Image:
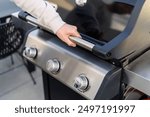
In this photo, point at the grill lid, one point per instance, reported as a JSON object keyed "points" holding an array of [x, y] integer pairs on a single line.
{"points": [[131, 42]]}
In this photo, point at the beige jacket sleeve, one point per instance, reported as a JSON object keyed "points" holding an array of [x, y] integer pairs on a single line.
{"points": [[43, 11]]}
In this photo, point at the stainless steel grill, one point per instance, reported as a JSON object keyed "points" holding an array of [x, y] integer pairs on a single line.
{"points": [[95, 70]]}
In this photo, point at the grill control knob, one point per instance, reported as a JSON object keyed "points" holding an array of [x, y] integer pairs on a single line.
{"points": [[30, 52], [53, 66], [81, 83]]}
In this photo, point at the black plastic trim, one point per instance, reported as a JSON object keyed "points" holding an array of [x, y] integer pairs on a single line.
{"points": [[105, 50], [110, 86]]}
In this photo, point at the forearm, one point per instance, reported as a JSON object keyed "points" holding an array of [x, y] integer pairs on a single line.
{"points": [[44, 12]]}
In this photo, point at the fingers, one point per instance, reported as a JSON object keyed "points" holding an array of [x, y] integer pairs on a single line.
{"points": [[69, 42], [74, 33], [68, 30], [65, 38]]}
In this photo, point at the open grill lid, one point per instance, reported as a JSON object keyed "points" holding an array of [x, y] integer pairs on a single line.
{"points": [[128, 44]]}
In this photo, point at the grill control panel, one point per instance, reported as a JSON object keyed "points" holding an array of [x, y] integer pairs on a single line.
{"points": [[74, 67], [81, 83], [30, 52], [53, 66]]}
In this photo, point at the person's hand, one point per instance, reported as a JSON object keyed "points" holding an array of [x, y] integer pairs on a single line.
{"points": [[65, 31]]}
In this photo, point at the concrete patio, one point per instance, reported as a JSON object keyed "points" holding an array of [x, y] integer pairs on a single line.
{"points": [[15, 81]]}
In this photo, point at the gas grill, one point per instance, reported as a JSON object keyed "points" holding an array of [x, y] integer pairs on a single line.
{"points": [[94, 69]]}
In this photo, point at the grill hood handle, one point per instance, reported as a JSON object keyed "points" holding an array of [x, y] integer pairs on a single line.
{"points": [[82, 43], [79, 41]]}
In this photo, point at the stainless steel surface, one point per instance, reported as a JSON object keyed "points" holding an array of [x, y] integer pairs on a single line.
{"points": [[30, 52], [82, 43], [81, 83], [74, 62], [53, 66], [137, 74]]}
